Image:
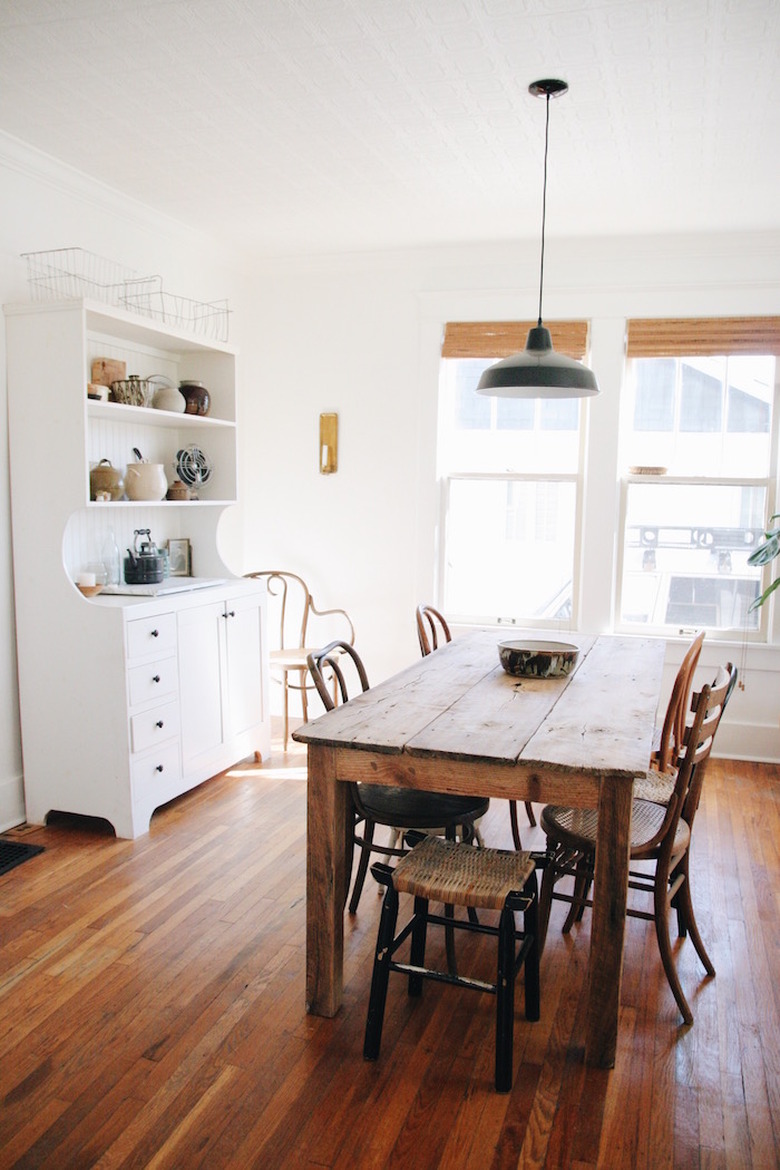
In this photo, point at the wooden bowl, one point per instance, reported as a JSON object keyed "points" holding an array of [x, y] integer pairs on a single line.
{"points": [[530, 659], [89, 590]]}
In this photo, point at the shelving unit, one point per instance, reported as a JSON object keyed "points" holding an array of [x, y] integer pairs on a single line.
{"points": [[95, 737]]}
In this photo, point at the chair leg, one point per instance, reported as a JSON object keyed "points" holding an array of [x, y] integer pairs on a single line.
{"points": [[661, 916], [362, 870], [545, 902], [514, 824], [531, 963], [381, 975], [505, 1001], [417, 951], [529, 812], [286, 708], [581, 886], [684, 904]]}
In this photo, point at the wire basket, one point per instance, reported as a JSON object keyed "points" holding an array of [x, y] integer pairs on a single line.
{"points": [[211, 319], [73, 272]]}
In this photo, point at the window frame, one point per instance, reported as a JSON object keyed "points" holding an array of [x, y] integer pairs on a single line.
{"points": [[696, 338], [577, 330]]}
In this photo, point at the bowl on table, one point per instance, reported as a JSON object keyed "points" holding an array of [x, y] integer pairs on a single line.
{"points": [[538, 659]]}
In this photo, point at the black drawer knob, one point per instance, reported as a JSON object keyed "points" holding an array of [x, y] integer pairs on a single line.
{"points": [[155, 633], [155, 678], [159, 768]]}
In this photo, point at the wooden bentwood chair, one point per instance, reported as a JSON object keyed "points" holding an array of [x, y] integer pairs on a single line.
{"points": [[432, 632], [659, 833], [293, 609], [658, 782], [459, 874], [380, 804]]}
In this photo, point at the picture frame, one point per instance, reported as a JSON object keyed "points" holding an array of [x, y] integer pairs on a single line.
{"points": [[180, 557]]}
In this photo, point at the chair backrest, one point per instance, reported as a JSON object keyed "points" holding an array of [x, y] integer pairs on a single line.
{"points": [[673, 730], [707, 706], [432, 629], [720, 692], [332, 657], [293, 618]]}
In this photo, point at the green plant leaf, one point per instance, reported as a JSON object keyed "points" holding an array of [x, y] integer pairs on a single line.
{"points": [[760, 600]]}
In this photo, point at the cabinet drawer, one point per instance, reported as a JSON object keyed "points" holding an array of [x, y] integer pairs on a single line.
{"points": [[157, 725], [152, 635], [157, 775], [153, 680]]}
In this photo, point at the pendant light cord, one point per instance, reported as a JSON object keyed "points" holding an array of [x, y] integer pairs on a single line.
{"points": [[544, 205]]}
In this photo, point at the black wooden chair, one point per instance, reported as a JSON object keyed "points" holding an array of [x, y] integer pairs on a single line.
{"points": [[433, 631], [459, 874], [380, 804]]}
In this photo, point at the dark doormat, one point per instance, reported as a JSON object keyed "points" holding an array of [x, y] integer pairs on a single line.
{"points": [[13, 853]]}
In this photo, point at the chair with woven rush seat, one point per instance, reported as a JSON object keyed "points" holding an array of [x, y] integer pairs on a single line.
{"points": [[660, 834], [433, 631], [294, 611], [459, 874], [380, 804], [657, 784]]}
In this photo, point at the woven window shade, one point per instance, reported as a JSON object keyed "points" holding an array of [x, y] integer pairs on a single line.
{"points": [[500, 339], [695, 336]]}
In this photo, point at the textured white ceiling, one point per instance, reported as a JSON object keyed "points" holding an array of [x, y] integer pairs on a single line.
{"points": [[300, 125]]}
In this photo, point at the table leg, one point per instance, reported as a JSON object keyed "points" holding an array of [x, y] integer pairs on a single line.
{"points": [[328, 813], [610, 891]]}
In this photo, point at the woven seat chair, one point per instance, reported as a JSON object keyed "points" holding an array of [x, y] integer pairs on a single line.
{"points": [[461, 875], [657, 783], [659, 833], [381, 804], [432, 632]]}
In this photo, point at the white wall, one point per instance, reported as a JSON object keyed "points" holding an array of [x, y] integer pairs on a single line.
{"points": [[360, 335]]}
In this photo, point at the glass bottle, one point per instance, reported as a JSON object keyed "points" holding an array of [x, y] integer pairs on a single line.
{"points": [[110, 557]]}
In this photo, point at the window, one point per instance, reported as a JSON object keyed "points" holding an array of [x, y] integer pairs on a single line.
{"points": [[698, 456], [510, 471]]}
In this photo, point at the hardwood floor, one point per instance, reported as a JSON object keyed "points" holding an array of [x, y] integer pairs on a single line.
{"points": [[152, 1013]]}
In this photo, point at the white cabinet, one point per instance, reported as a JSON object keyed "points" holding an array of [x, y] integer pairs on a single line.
{"points": [[220, 686], [124, 702]]}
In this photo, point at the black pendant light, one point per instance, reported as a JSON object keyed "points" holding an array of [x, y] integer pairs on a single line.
{"points": [[540, 372]]}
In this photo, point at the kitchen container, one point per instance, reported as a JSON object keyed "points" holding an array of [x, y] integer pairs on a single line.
{"points": [[196, 397], [144, 563], [531, 659], [104, 477], [145, 481], [132, 391]]}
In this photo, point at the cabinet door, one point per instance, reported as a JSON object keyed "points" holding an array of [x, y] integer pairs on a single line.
{"points": [[201, 680], [243, 630]]}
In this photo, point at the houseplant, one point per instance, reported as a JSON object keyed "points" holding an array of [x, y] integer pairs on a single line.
{"points": [[765, 553]]}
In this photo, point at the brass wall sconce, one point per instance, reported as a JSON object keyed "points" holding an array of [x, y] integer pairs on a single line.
{"points": [[329, 443]]}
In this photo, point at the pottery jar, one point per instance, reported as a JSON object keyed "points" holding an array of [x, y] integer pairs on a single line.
{"points": [[145, 481]]}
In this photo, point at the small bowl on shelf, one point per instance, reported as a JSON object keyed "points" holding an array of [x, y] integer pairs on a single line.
{"points": [[89, 590], [538, 659]]}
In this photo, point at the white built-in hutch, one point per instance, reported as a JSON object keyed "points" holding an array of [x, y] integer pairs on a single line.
{"points": [[126, 702]]}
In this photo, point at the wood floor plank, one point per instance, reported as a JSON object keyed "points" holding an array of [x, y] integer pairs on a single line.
{"points": [[151, 1009]]}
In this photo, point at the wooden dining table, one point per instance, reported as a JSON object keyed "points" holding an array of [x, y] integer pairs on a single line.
{"points": [[456, 722]]}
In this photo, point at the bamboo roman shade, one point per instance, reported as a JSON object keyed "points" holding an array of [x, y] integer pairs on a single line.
{"points": [[500, 339], [697, 336]]}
